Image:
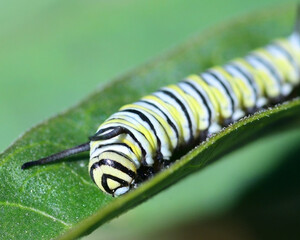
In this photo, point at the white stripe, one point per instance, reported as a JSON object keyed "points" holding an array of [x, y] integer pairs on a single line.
{"points": [[190, 91]]}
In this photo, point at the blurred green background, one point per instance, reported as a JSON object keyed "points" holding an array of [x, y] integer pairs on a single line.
{"points": [[54, 53]]}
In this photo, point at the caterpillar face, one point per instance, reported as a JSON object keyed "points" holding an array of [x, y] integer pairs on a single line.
{"points": [[113, 172]]}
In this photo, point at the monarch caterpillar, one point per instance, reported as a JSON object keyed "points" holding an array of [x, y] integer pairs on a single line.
{"points": [[142, 138]]}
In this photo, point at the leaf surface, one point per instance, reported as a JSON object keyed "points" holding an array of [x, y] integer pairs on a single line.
{"points": [[48, 201]]}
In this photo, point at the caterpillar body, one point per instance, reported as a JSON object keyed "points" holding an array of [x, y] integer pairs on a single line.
{"points": [[143, 137]]}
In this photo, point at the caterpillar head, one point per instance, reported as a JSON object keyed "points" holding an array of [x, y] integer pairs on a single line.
{"points": [[113, 172]]}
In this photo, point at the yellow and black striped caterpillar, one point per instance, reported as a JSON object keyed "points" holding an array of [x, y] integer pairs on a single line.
{"points": [[142, 138]]}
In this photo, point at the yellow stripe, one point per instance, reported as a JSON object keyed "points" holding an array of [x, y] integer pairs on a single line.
{"points": [[248, 100], [292, 77], [187, 100], [173, 112], [224, 103], [286, 69], [115, 172], [232, 83], [271, 88], [97, 173], [256, 77], [288, 47], [203, 124], [265, 54], [118, 158], [136, 150]]}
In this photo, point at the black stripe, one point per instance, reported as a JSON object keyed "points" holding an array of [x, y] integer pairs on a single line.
{"points": [[269, 66], [201, 96], [93, 167], [248, 78], [102, 130], [132, 136], [146, 119], [104, 179], [112, 144], [117, 144], [104, 184], [225, 88], [168, 119], [116, 165], [182, 107]]}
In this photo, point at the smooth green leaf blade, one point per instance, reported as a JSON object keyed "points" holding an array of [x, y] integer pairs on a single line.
{"points": [[44, 202]]}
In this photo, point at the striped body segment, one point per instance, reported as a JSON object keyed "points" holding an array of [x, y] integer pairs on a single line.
{"points": [[148, 132]]}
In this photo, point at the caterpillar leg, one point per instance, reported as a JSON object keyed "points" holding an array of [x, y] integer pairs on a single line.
{"points": [[214, 128], [163, 164], [144, 173], [227, 121]]}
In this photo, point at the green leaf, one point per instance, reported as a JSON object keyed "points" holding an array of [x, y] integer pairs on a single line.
{"points": [[45, 202]]}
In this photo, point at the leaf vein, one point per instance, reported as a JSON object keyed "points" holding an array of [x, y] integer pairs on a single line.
{"points": [[18, 205]]}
